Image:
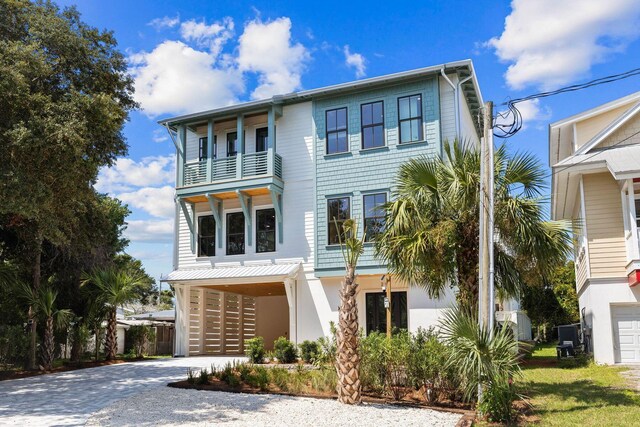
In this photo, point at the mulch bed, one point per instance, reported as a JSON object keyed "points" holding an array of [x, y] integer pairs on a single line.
{"points": [[218, 385], [12, 375]]}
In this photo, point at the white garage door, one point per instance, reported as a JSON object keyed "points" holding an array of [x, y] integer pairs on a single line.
{"points": [[626, 329]]}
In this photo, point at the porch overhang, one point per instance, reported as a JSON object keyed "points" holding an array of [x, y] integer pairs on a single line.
{"points": [[267, 273]]}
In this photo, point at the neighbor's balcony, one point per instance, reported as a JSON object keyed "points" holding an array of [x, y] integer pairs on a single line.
{"points": [[234, 168]]}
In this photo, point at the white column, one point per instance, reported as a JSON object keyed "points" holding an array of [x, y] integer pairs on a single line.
{"points": [[181, 346], [290, 287], [631, 212]]}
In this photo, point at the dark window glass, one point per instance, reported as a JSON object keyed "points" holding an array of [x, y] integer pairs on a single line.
{"points": [[232, 144], [266, 230], [372, 122], [410, 118], [262, 139], [203, 148], [235, 233], [337, 131], [338, 210], [376, 313], [374, 215], [637, 212], [206, 236]]}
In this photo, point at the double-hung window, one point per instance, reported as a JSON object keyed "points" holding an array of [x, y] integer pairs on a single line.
{"points": [[232, 144], [374, 215], [262, 139], [336, 121], [410, 118], [206, 236], [203, 148], [265, 230], [372, 124], [235, 233], [338, 212]]}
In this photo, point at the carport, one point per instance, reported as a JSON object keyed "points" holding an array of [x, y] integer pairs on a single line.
{"points": [[217, 309]]}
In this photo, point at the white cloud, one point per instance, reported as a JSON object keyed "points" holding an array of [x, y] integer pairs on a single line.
{"points": [[159, 231], [355, 61], [159, 135], [156, 201], [175, 78], [212, 36], [164, 22], [266, 48], [126, 174], [550, 43]]}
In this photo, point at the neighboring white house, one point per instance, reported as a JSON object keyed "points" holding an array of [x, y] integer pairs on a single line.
{"points": [[595, 156], [255, 250]]}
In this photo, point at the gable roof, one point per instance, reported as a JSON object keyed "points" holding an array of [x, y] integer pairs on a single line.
{"points": [[607, 131]]}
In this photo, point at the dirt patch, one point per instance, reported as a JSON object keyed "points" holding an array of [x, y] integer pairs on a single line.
{"points": [[12, 375]]}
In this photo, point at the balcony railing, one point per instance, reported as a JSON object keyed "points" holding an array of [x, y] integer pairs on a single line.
{"points": [[233, 168]]}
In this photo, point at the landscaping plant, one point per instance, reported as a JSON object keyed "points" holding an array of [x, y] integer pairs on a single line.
{"points": [[309, 351], [254, 349], [285, 350], [139, 337]]}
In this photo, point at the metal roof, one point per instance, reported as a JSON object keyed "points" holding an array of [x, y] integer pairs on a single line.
{"points": [[623, 162], [156, 315], [268, 271]]}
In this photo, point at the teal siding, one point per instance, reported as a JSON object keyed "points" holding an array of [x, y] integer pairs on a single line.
{"points": [[359, 172]]}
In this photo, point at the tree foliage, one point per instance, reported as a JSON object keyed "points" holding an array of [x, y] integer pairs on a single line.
{"points": [[431, 235]]}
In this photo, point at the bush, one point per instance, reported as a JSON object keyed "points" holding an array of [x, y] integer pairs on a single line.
{"points": [[258, 378], [229, 376], [373, 369], [309, 351], [191, 379], [255, 349], [285, 350], [497, 403], [279, 377], [397, 352], [204, 377], [138, 338], [14, 345], [428, 366], [324, 379]]}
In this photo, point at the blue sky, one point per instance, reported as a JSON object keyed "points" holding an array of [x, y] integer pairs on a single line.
{"points": [[195, 54]]}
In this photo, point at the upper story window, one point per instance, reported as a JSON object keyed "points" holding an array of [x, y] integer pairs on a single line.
{"points": [[337, 131], [232, 144], [410, 118], [206, 236], [203, 148], [374, 215], [338, 210], [372, 123], [265, 230], [235, 233], [637, 203], [262, 139]]}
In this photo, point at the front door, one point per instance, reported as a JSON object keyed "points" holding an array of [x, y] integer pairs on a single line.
{"points": [[376, 313]]}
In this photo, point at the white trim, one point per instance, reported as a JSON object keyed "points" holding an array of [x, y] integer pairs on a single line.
{"points": [[606, 132], [583, 211], [612, 105], [254, 212]]}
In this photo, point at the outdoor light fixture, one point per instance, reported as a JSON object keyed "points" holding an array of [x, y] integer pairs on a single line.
{"points": [[386, 303], [383, 283]]}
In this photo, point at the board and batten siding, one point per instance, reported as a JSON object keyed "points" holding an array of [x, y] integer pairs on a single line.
{"points": [[605, 229], [294, 142], [358, 172]]}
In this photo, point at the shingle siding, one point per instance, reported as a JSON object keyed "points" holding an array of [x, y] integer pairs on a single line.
{"points": [[364, 171]]}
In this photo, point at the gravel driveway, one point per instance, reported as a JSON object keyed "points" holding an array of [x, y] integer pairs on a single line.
{"points": [[169, 406]]}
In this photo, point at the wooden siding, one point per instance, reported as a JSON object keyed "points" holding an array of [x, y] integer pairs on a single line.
{"points": [[590, 127], [627, 134], [580, 253], [605, 230]]}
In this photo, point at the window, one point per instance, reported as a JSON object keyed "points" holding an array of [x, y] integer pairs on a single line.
{"points": [[337, 131], [262, 139], [203, 148], [372, 122], [338, 210], [374, 215], [206, 236], [410, 118], [637, 202], [376, 313], [235, 233], [232, 144], [266, 230]]}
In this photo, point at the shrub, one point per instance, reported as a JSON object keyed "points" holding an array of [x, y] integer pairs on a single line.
{"points": [[270, 356], [497, 403], [309, 351], [373, 368], [259, 378], [324, 379], [280, 377], [138, 338], [327, 347], [14, 345], [244, 370], [255, 349], [397, 352], [285, 350], [229, 376], [428, 366], [204, 376], [191, 378]]}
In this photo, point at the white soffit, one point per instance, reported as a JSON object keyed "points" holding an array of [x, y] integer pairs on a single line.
{"points": [[270, 271]]}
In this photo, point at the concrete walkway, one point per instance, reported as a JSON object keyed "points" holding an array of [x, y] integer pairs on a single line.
{"points": [[69, 398]]}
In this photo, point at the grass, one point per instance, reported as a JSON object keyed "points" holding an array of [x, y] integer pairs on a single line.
{"points": [[591, 395]]}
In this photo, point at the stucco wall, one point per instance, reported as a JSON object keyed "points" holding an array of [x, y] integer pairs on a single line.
{"points": [[272, 318]]}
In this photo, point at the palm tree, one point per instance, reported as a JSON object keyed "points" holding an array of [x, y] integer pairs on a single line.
{"points": [[431, 235], [347, 355], [43, 303], [112, 288]]}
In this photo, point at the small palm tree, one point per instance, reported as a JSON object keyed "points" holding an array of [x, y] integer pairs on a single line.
{"points": [[112, 288], [43, 303], [348, 357], [432, 225]]}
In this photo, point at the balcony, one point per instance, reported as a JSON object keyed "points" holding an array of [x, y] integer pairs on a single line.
{"points": [[241, 166]]}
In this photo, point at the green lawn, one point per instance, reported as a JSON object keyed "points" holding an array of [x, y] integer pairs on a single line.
{"points": [[586, 396]]}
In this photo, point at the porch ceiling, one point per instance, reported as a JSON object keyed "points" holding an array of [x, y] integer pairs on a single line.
{"points": [[262, 191], [252, 289]]}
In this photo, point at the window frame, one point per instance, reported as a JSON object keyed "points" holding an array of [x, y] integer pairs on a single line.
{"points": [[420, 119], [266, 140], [202, 154], [364, 212], [199, 236], [381, 317], [228, 234], [331, 223], [275, 225], [372, 126], [337, 130], [235, 153]]}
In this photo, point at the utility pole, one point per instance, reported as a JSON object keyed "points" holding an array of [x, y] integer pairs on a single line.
{"points": [[486, 307]]}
